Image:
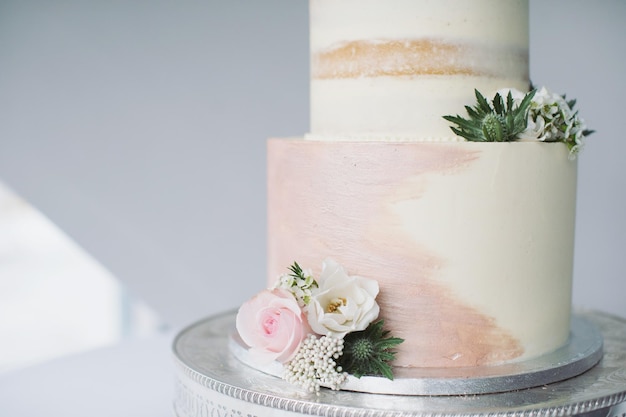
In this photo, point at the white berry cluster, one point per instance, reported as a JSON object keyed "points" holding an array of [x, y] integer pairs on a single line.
{"points": [[314, 364]]}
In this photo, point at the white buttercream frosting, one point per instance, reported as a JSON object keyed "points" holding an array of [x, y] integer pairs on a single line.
{"points": [[475, 20], [398, 66]]}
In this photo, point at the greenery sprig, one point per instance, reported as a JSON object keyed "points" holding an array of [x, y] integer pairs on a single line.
{"points": [[498, 122], [296, 271], [369, 352]]}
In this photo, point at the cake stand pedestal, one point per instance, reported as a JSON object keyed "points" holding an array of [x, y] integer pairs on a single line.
{"points": [[210, 381]]}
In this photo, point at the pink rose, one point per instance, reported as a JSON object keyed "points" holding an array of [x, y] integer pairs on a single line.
{"points": [[272, 324]]}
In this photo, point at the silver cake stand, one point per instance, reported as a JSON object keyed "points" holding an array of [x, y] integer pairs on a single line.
{"points": [[212, 381]]}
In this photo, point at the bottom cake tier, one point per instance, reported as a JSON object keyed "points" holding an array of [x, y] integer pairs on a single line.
{"points": [[211, 380]]}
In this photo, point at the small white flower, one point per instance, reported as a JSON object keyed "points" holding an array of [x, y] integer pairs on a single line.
{"points": [[535, 130], [301, 285], [285, 281], [550, 119], [342, 303]]}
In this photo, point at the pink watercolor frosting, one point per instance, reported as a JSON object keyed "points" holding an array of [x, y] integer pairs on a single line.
{"points": [[454, 233]]}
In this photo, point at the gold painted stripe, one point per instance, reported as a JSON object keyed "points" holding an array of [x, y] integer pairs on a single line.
{"points": [[393, 58]]}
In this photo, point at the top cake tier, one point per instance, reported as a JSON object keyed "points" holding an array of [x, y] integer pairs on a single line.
{"points": [[389, 69]]}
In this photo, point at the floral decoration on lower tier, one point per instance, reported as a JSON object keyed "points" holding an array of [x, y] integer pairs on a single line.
{"points": [[321, 330], [537, 115]]}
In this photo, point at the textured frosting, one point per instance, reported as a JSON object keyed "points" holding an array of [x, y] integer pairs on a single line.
{"points": [[472, 243], [397, 66]]}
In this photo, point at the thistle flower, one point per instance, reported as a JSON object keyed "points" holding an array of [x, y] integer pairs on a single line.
{"points": [[369, 352], [495, 122]]}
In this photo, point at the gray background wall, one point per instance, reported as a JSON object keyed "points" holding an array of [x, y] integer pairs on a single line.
{"points": [[139, 128]]}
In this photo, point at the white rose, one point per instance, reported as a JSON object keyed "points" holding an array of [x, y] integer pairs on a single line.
{"points": [[342, 303]]}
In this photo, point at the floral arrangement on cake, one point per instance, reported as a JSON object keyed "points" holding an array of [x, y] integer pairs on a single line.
{"points": [[537, 115], [321, 330]]}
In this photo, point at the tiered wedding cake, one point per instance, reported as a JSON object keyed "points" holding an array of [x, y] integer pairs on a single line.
{"points": [[471, 243], [402, 241]]}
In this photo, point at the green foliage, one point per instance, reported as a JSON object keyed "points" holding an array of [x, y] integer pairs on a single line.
{"points": [[498, 122], [296, 271]]}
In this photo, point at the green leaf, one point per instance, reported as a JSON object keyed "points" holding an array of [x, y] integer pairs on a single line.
{"points": [[483, 105]]}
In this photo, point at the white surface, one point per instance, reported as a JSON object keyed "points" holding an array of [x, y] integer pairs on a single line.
{"points": [[55, 299], [133, 379], [139, 128]]}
